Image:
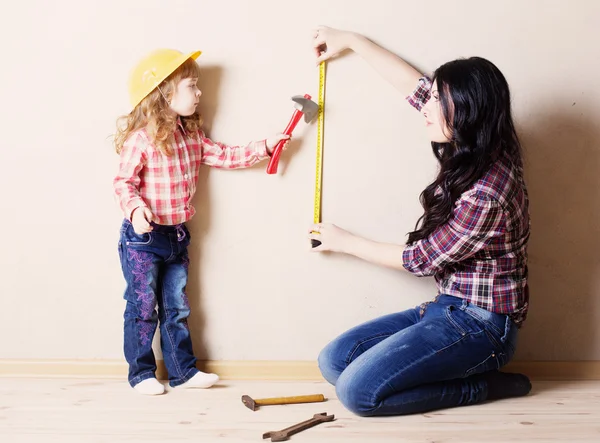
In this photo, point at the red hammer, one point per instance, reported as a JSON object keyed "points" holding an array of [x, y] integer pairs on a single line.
{"points": [[304, 105]]}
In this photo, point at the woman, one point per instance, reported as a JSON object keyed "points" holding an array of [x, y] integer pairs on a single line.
{"points": [[472, 238]]}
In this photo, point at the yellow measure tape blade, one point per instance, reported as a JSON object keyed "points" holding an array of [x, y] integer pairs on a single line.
{"points": [[319, 162]]}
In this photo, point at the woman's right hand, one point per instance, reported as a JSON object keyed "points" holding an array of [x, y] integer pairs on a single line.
{"points": [[141, 220], [329, 42]]}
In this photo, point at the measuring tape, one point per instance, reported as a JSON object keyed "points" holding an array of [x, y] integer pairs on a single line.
{"points": [[319, 162]]}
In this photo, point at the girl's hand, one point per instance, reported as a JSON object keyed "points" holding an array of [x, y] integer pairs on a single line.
{"points": [[331, 237], [329, 42], [272, 142], [141, 220]]}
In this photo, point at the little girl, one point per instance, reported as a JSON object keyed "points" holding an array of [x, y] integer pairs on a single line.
{"points": [[161, 147]]}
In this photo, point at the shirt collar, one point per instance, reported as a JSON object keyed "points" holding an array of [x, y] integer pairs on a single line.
{"points": [[180, 124]]}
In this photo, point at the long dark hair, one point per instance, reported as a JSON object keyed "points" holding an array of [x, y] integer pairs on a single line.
{"points": [[475, 101]]}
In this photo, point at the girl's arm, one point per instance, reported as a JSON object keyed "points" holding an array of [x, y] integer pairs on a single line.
{"points": [[220, 155], [127, 180]]}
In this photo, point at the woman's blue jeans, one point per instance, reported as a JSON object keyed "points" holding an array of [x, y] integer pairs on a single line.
{"points": [[419, 359]]}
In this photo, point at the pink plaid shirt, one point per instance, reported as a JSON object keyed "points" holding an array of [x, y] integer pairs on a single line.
{"points": [[167, 184], [480, 254]]}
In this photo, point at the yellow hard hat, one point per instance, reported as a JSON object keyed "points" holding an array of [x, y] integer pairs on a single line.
{"points": [[152, 70]]}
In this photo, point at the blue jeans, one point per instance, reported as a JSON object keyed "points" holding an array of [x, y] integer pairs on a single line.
{"points": [[155, 267], [419, 359]]}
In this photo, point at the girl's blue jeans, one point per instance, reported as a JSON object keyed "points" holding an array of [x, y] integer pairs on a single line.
{"points": [[155, 267]]}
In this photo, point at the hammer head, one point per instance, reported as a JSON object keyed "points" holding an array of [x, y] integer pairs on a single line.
{"points": [[308, 107], [247, 400]]}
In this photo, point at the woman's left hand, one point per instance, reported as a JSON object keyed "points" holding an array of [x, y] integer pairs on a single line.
{"points": [[332, 238]]}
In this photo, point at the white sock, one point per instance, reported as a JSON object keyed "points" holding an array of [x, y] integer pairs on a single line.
{"points": [[150, 386], [200, 380]]}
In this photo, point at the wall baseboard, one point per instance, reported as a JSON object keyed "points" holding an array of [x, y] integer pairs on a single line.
{"points": [[265, 370], [227, 370]]}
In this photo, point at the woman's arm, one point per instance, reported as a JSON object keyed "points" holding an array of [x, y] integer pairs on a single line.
{"points": [[477, 221], [329, 42], [335, 239]]}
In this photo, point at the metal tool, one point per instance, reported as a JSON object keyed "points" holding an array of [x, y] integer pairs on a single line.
{"points": [[284, 434], [254, 404], [304, 106]]}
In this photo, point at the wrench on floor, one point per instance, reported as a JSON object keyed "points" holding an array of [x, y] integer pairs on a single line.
{"points": [[284, 434]]}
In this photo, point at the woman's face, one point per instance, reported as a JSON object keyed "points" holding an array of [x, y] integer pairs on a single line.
{"points": [[436, 126]]}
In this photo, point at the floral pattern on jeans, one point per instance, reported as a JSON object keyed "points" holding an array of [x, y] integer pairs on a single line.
{"points": [[141, 265]]}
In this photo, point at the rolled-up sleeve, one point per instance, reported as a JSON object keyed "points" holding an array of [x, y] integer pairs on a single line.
{"points": [[421, 93], [477, 219]]}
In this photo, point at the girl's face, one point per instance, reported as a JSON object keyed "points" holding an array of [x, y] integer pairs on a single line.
{"points": [[436, 126], [186, 96]]}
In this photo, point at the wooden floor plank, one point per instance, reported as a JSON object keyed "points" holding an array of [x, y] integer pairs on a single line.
{"points": [[83, 410]]}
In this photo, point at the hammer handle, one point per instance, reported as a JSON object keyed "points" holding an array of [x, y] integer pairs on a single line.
{"points": [[274, 161], [290, 400]]}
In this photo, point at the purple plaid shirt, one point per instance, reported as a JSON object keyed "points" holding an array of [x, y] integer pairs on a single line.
{"points": [[480, 254]]}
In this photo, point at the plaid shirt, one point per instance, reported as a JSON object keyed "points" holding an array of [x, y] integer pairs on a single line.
{"points": [[166, 184], [480, 254]]}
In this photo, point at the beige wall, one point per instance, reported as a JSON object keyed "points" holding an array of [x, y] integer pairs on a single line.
{"points": [[256, 291]]}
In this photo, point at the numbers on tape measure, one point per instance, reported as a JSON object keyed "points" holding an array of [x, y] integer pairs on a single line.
{"points": [[319, 159]]}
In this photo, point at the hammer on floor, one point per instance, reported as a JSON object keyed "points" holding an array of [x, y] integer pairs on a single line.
{"points": [[253, 404]]}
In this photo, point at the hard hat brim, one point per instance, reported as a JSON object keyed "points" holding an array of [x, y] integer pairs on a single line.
{"points": [[175, 63]]}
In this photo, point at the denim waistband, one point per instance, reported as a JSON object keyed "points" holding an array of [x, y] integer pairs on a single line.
{"points": [[166, 229], [170, 229], [499, 322]]}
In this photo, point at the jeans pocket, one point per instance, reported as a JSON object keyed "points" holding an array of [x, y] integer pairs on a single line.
{"points": [[462, 322], [490, 363], [141, 240], [499, 355], [493, 361], [132, 238], [120, 250], [494, 354], [504, 341]]}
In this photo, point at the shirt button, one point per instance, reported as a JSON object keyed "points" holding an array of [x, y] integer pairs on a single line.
{"points": [[185, 176]]}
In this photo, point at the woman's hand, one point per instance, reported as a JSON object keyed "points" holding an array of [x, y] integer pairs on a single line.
{"points": [[337, 239], [329, 42], [332, 238]]}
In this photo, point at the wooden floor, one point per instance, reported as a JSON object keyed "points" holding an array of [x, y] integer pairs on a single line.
{"points": [[82, 411]]}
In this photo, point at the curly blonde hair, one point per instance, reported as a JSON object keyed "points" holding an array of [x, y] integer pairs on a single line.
{"points": [[154, 113]]}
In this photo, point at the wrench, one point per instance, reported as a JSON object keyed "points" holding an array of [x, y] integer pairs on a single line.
{"points": [[284, 434]]}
